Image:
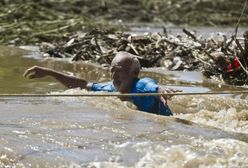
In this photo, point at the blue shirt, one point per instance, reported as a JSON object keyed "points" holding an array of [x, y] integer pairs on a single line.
{"points": [[150, 104]]}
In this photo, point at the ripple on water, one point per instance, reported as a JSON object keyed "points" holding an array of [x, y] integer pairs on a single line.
{"points": [[226, 113], [105, 132]]}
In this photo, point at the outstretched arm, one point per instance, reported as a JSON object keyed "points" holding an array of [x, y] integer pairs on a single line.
{"points": [[66, 80]]}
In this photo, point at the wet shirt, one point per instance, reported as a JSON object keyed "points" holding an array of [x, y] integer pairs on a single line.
{"points": [[150, 104]]}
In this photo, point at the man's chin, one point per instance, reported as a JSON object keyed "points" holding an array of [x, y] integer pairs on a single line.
{"points": [[117, 83], [117, 86]]}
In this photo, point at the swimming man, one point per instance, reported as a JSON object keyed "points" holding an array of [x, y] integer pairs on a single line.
{"points": [[125, 69]]}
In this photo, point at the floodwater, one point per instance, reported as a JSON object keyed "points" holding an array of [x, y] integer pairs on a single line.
{"points": [[205, 132]]}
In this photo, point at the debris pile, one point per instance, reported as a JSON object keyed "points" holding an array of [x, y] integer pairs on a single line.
{"points": [[215, 56], [74, 29]]}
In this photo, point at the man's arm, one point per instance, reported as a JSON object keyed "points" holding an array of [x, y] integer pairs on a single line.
{"points": [[66, 80], [165, 98]]}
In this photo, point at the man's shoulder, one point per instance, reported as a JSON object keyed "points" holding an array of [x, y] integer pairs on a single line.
{"points": [[145, 85], [146, 80], [106, 86]]}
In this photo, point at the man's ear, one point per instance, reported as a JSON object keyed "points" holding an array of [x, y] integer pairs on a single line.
{"points": [[136, 73]]}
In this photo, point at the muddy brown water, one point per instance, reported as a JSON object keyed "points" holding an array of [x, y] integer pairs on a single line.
{"points": [[206, 131]]}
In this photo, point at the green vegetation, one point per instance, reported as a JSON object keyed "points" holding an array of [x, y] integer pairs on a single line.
{"points": [[31, 21]]}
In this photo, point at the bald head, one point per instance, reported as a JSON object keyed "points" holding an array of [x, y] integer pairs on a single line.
{"points": [[127, 60], [124, 70]]}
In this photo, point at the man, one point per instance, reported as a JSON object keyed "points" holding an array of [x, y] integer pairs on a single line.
{"points": [[125, 69]]}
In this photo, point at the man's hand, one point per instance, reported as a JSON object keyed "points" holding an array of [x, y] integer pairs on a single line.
{"points": [[165, 98], [36, 72], [66, 80]]}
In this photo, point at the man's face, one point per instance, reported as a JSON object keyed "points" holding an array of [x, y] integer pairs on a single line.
{"points": [[122, 76]]}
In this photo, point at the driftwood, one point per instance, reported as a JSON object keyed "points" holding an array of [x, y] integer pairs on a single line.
{"points": [[174, 53], [71, 29]]}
